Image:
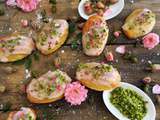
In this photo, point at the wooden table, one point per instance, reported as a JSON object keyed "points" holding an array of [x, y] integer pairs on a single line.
{"points": [[12, 74]]}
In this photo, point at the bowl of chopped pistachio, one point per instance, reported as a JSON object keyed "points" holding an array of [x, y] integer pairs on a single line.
{"points": [[128, 102]]}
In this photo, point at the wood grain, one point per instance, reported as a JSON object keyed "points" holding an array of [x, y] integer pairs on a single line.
{"points": [[93, 108]]}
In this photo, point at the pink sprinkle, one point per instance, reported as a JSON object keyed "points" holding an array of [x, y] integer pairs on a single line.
{"points": [[75, 93], [150, 40], [24, 23], [109, 56], [117, 33], [156, 89], [121, 49]]}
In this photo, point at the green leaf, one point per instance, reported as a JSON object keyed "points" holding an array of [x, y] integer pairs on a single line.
{"points": [[53, 1], [34, 73], [72, 27], [6, 106], [79, 36], [74, 45], [28, 63], [2, 11], [36, 56], [20, 62]]}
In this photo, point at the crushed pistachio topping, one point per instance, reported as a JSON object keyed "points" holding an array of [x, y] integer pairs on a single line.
{"points": [[94, 36], [96, 71], [10, 44]]}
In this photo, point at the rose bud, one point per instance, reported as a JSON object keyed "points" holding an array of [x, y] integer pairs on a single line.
{"points": [[24, 23], [117, 33], [146, 80], [155, 67], [57, 62], [109, 56]]}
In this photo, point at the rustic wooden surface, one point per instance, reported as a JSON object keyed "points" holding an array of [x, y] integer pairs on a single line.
{"points": [[93, 108]]}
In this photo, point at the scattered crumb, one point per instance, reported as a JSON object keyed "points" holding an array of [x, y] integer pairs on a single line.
{"points": [[77, 60], [73, 112], [150, 62], [50, 105], [62, 51], [10, 29], [142, 60]]}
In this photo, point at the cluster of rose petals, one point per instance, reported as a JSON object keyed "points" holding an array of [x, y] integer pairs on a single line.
{"points": [[150, 40], [25, 5], [75, 93], [156, 89]]}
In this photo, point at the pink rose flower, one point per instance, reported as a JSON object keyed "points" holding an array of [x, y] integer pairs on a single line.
{"points": [[11, 2], [156, 89], [75, 93], [109, 56], [150, 40], [121, 49], [27, 5]]}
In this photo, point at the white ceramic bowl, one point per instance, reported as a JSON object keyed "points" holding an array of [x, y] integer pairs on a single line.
{"points": [[151, 112], [115, 10]]}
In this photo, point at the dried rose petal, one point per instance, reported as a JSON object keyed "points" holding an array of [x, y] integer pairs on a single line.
{"points": [[121, 49], [11, 2], [107, 12], [156, 89]]}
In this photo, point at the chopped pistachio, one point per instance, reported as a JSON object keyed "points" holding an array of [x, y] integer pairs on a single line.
{"points": [[2, 11]]}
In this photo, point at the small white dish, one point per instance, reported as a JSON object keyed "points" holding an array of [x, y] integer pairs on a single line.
{"points": [[151, 112], [115, 10]]}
